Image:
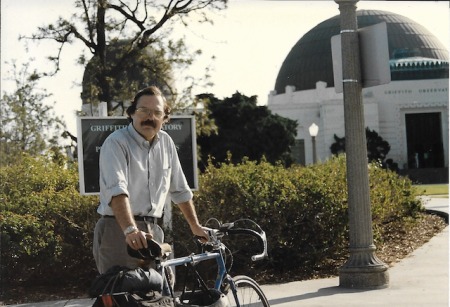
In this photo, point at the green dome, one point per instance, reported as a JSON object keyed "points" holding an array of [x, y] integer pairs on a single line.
{"points": [[310, 59]]}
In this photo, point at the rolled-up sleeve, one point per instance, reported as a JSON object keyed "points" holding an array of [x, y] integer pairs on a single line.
{"points": [[113, 171], [180, 191]]}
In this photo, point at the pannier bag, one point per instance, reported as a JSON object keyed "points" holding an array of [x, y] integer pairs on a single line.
{"points": [[124, 287], [202, 298], [122, 279]]}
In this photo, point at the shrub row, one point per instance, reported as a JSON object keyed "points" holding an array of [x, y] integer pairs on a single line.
{"points": [[47, 226], [302, 209]]}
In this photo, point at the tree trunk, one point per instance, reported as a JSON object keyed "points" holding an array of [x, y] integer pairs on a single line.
{"points": [[104, 94]]}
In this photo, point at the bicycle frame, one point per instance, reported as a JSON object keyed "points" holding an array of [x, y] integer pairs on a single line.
{"points": [[223, 282], [217, 255]]}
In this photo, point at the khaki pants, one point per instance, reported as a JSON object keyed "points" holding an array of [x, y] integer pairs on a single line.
{"points": [[109, 245]]}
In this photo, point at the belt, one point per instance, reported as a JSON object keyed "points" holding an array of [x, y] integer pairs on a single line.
{"points": [[150, 219]]}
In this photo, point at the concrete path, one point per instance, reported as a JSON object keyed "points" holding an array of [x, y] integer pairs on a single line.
{"points": [[421, 279]]}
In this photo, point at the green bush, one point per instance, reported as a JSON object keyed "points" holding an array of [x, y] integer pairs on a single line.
{"points": [[302, 209], [46, 225]]}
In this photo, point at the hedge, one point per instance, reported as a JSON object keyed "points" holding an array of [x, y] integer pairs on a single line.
{"points": [[302, 209], [47, 226]]}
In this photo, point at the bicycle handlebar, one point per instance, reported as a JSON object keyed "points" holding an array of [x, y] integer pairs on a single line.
{"points": [[261, 237], [229, 228]]}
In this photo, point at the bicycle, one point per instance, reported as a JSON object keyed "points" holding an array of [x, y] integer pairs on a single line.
{"points": [[240, 290]]}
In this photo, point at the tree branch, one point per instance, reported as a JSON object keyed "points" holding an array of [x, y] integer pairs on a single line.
{"points": [[88, 21], [131, 17]]}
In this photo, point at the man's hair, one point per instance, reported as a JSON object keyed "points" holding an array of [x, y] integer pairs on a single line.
{"points": [[148, 91]]}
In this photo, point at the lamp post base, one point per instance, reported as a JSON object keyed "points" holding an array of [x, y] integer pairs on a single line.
{"points": [[364, 270]]}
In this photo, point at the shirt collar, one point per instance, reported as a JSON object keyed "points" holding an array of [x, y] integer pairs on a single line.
{"points": [[139, 139]]}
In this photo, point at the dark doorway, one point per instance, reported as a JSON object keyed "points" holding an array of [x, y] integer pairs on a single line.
{"points": [[424, 139]]}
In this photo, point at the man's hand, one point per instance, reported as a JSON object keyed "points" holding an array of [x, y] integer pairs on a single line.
{"points": [[122, 211], [201, 232], [190, 215], [138, 239]]}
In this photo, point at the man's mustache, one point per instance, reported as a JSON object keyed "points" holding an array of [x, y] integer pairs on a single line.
{"points": [[148, 122]]}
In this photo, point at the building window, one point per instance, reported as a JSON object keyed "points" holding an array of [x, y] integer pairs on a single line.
{"points": [[298, 152]]}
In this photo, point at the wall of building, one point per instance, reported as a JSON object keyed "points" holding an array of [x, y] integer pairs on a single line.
{"points": [[399, 98], [385, 107]]}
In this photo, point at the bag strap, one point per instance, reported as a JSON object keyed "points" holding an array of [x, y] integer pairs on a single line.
{"points": [[114, 280], [200, 283], [169, 286], [200, 280]]}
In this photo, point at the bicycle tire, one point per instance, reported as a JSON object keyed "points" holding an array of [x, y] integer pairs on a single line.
{"points": [[249, 293]]}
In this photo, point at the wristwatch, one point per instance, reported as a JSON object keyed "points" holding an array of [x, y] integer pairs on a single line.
{"points": [[130, 229]]}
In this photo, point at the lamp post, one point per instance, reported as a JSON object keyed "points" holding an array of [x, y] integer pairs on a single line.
{"points": [[363, 269], [313, 130]]}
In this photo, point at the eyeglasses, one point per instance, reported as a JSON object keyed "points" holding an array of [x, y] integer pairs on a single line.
{"points": [[148, 112]]}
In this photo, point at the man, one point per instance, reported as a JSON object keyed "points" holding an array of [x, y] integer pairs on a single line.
{"points": [[139, 168]]}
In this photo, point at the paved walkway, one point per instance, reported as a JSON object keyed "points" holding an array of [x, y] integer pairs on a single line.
{"points": [[421, 279]]}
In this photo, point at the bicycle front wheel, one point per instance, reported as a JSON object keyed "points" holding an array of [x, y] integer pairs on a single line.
{"points": [[248, 292]]}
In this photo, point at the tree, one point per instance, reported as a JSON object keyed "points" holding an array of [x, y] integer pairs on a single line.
{"points": [[245, 129], [133, 29], [27, 124], [338, 146], [377, 147]]}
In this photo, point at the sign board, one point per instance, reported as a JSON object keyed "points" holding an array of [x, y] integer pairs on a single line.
{"points": [[92, 132], [374, 53]]}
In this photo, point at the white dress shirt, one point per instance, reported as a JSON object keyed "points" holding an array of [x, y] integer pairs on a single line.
{"points": [[146, 172]]}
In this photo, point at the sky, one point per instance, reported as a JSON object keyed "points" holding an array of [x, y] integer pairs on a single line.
{"points": [[249, 40]]}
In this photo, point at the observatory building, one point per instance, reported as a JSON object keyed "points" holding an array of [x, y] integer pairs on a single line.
{"points": [[410, 113]]}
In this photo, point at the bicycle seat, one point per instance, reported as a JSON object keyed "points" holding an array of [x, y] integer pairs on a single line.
{"points": [[154, 250]]}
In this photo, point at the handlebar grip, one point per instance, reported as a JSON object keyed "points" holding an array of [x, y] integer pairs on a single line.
{"points": [[259, 257]]}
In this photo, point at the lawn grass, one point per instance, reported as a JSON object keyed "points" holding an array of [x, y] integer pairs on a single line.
{"points": [[432, 189]]}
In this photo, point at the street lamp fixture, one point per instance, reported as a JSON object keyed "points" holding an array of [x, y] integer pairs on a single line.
{"points": [[313, 131]]}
